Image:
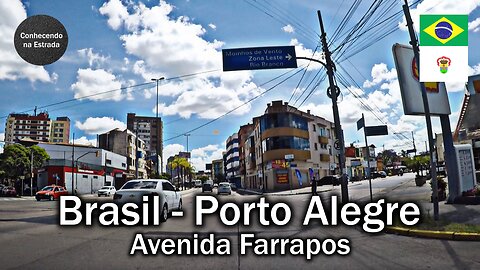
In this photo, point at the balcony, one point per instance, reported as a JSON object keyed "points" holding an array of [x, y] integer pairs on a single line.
{"points": [[323, 140], [324, 158]]}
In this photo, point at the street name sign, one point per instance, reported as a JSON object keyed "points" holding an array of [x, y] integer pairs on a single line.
{"points": [[259, 58], [376, 130]]}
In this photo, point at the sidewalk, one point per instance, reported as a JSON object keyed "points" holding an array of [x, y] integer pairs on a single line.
{"points": [[300, 191], [457, 213]]}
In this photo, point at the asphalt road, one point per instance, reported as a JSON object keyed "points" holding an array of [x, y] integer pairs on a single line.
{"points": [[30, 238]]}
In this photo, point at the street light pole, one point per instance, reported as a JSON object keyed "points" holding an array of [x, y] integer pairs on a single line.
{"points": [[156, 129], [188, 156]]}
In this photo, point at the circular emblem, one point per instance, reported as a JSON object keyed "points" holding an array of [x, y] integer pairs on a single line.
{"points": [[443, 30], [414, 69], [41, 40], [336, 145]]}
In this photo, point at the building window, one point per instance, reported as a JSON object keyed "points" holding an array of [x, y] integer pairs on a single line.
{"points": [[314, 129], [274, 143], [85, 176], [109, 161], [124, 165], [95, 177], [316, 145]]}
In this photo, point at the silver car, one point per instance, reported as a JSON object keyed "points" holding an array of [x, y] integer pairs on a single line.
{"points": [[134, 190], [224, 187], [106, 191]]}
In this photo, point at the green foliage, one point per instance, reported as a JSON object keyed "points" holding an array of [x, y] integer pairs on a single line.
{"points": [[203, 178], [15, 160]]}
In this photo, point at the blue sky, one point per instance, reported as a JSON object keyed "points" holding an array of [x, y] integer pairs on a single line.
{"points": [[115, 43]]}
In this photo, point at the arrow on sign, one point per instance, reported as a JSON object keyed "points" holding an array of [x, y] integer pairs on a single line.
{"points": [[289, 57]]}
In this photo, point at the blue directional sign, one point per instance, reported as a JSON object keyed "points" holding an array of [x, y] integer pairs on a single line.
{"points": [[259, 58]]}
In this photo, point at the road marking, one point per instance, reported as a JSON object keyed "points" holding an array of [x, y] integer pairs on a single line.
{"points": [[177, 213]]}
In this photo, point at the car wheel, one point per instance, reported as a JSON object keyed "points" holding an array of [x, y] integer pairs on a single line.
{"points": [[164, 213], [51, 198], [99, 195], [37, 198], [230, 193], [179, 205]]}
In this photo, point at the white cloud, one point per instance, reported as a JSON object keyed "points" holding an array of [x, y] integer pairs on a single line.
{"points": [[171, 150], [213, 26], [99, 125], [379, 74], [474, 25], [169, 47], [85, 141], [115, 11], [199, 156], [288, 29], [94, 59], [12, 66], [439, 7], [300, 50], [206, 154], [93, 81], [2, 138]]}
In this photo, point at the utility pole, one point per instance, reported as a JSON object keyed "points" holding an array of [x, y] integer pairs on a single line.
{"points": [[73, 161], [333, 92], [433, 161], [31, 171], [188, 157], [159, 141], [368, 160], [414, 147], [136, 152]]}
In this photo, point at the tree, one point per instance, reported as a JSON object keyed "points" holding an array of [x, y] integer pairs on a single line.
{"points": [[15, 160]]}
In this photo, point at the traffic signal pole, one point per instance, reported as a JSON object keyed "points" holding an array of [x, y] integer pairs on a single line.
{"points": [[333, 92]]}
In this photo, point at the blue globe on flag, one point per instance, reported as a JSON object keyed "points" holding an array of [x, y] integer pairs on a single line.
{"points": [[443, 30]]}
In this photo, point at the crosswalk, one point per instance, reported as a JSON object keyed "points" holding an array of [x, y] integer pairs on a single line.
{"points": [[16, 198]]}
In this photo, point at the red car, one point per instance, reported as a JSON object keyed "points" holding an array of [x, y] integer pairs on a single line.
{"points": [[51, 193], [9, 191]]}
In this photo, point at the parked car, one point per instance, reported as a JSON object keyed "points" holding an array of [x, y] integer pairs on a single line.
{"points": [[381, 174], [198, 183], [106, 191], [215, 185], [51, 193], [207, 187], [329, 180], [9, 191], [134, 190], [224, 187], [233, 186]]}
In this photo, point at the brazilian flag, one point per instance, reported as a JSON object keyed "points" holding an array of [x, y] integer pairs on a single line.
{"points": [[443, 30]]}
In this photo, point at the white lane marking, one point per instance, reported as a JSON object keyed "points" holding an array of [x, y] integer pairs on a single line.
{"points": [[177, 213]]}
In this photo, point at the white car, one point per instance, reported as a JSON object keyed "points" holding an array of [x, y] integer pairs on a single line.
{"points": [[224, 187], [134, 190], [106, 191]]}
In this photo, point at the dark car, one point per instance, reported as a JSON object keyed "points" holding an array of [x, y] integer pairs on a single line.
{"points": [[381, 174], [9, 191], [207, 187], [233, 186], [329, 180]]}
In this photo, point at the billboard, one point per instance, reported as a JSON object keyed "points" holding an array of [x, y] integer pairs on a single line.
{"points": [[410, 89]]}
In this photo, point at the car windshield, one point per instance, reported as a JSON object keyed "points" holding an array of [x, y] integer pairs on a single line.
{"points": [[140, 185], [47, 188], [106, 187], [224, 185]]}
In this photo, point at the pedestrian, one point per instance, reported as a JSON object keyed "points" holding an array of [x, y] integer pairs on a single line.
{"points": [[314, 185]]}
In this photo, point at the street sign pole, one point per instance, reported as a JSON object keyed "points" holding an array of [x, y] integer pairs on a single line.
{"points": [[368, 160], [333, 92], [433, 162]]}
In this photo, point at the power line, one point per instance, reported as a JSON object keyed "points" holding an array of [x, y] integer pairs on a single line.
{"points": [[236, 108], [114, 90]]}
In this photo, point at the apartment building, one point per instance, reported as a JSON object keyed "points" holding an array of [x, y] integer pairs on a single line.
{"points": [[36, 127]]}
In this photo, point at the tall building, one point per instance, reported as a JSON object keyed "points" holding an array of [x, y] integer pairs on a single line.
{"points": [[285, 132], [218, 174], [232, 163], [243, 134], [60, 130], [150, 130], [125, 143], [36, 127]]}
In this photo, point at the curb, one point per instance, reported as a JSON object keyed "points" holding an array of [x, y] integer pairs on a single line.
{"points": [[443, 235]]}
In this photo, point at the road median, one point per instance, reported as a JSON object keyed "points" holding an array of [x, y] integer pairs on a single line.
{"points": [[445, 235]]}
